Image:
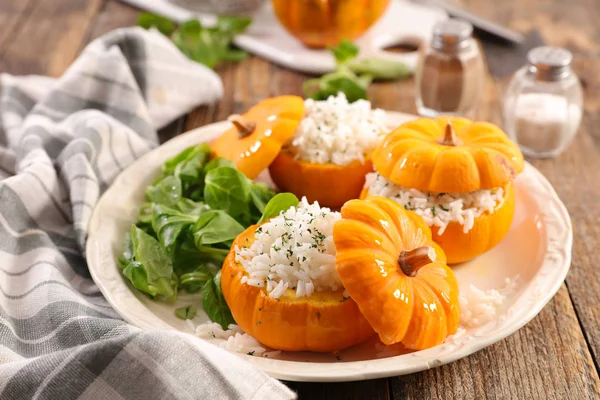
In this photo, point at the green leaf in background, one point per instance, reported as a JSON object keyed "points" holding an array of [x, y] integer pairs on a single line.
{"points": [[331, 84], [281, 202], [214, 303], [210, 45], [152, 270], [169, 224], [187, 312], [218, 162], [379, 68], [164, 25], [166, 191], [193, 281], [352, 76], [233, 25], [216, 226], [227, 189], [344, 52], [234, 55]]}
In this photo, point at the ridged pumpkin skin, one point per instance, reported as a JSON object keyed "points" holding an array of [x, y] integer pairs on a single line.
{"points": [[329, 184], [412, 156], [323, 322], [275, 119], [419, 311], [488, 230], [320, 23]]}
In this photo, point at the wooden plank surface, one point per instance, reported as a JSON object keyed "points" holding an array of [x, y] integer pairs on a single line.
{"points": [[573, 174], [556, 355], [48, 37]]}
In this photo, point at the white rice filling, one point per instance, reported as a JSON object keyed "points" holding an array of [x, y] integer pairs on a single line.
{"points": [[338, 132], [294, 250], [438, 209]]}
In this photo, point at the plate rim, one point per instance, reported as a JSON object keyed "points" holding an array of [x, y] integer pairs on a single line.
{"points": [[374, 368]]}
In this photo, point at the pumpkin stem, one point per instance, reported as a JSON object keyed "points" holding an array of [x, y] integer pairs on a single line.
{"points": [[411, 261], [449, 138], [243, 126]]}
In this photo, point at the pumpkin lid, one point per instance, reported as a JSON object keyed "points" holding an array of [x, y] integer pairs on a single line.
{"points": [[257, 136], [448, 154], [396, 274]]}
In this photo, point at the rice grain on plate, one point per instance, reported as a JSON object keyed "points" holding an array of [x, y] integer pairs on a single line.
{"points": [[294, 250], [338, 132], [438, 209], [233, 339]]}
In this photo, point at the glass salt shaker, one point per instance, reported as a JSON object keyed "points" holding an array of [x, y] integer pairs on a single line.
{"points": [[450, 75], [543, 104]]}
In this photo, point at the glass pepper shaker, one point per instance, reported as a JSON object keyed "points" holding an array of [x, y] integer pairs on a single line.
{"points": [[543, 104], [450, 75]]}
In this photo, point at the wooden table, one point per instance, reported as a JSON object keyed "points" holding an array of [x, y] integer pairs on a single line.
{"points": [[556, 355]]}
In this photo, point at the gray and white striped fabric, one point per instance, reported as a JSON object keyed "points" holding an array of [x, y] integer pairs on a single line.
{"points": [[62, 142]]}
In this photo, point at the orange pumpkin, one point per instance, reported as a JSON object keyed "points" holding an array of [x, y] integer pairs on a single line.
{"points": [[329, 184], [397, 275], [320, 23], [448, 154], [257, 136], [323, 322], [454, 155]]}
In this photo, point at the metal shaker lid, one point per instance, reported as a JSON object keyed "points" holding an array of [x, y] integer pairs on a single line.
{"points": [[550, 63], [451, 34]]}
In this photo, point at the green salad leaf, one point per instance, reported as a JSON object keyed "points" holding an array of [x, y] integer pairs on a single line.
{"points": [[169, 224], [261, 193], [150, 270], [228, 189], [216, 226], [187, 312], [194, 210], [217, 163], [214, 303], [166, 191], [279, 203], [188, 206], [193, 281]]}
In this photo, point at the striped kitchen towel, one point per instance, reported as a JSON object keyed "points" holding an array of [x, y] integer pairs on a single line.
{"points": [[62, 142]]}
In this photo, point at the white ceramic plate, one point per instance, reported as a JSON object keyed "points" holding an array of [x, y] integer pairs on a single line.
{"points": [[537, 249]]}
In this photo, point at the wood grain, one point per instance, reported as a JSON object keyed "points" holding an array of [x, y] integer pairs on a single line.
{"points": [[547, 359], [556, 355], [50, 37], [574, 173]]}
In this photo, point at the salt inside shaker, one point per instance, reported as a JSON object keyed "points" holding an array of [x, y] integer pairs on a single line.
{"points": [[450, 75], [543, 103]]}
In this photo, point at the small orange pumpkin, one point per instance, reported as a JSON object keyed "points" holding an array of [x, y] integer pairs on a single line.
{"points": [[323, 322], [448, 154], [258, 135], [455, 155], [397, 275], [329, 184], [320, 23]]}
